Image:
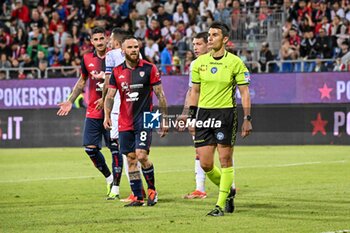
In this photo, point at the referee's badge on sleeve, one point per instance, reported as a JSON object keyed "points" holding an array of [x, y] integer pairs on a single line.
{"points": [[247, 76]]}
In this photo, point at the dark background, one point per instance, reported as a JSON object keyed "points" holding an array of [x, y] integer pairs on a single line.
{"points": [[272, 125]]}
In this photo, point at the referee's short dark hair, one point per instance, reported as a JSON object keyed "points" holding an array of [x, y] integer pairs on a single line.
{"points": [[96, 30], [223, 27], [202, 35]]}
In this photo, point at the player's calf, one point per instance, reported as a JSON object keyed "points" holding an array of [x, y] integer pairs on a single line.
{"points": [[99, 161]]}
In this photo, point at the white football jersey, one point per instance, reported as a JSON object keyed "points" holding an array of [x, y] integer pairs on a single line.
{"points": [[114, 58], [190, 75]]}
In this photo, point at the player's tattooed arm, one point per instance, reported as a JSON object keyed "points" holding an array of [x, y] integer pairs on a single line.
{"points": [[109, 101], [108, 106], [158, 90], [105, 87], [77, 90], [66, 106], [186, 105], [185, 111]]}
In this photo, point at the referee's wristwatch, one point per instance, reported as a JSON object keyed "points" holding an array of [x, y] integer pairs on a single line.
{"points": [[247, 117]]}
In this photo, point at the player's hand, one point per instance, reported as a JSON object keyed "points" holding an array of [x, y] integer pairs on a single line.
{"points": [[246, 128], [164, 129], [65, 108], [181, 123], [107, 123], [99, 104]]}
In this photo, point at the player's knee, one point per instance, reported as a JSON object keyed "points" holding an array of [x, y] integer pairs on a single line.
{"points": [[132, 160], [226, 161], [91, 151], [141, 154], [207, 166], [142, 158]]}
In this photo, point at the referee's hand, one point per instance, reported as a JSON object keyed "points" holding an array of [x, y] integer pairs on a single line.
{"points": [[181, 123], [246, 128]]}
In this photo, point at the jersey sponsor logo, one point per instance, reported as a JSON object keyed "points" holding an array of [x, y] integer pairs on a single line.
{"points": [[132, 96], [199, 141], [99, 86], [215, 63], [97, 75], [220, 136], [91, 65], [136, 86], [214, 70], [142, 73], [121, 76], [203, 68]]}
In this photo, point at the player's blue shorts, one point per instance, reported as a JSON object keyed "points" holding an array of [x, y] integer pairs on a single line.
{"points": [[93, 132], [131, 140]]}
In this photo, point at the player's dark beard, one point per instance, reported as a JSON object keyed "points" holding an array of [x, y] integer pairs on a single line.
{"points": [[129, 58]]}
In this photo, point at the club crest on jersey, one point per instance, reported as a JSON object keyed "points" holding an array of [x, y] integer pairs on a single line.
{"points": [[142, 73], [214, 70]]}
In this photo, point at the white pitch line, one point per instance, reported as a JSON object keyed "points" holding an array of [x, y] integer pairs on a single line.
{"points": [[172, 171]]}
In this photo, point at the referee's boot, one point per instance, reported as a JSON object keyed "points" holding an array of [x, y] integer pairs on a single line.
{"points": [[216, 212], [230, 204]]}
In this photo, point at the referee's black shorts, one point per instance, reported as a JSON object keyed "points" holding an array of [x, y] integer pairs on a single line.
{"points": [[213, 134]]}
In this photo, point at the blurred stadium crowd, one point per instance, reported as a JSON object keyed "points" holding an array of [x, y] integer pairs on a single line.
{"points": [[47, 38]]}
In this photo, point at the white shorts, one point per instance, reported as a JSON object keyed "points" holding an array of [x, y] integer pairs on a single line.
{"points": [[114, 130]]}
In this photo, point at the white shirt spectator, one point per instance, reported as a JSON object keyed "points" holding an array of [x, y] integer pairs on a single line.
{"points": [[340, 12], [142, 7], [141, 29], [169, 6], [183, 17], [190, 84], [167, 31], [152, 52], [206, 5], [60, 40], [193, 29]]}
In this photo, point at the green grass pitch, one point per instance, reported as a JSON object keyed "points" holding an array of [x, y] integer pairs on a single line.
{"points": [[281, 189]]}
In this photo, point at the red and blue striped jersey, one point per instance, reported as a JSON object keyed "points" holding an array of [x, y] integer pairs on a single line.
{"points": [[92, 68], [135, 87]]}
